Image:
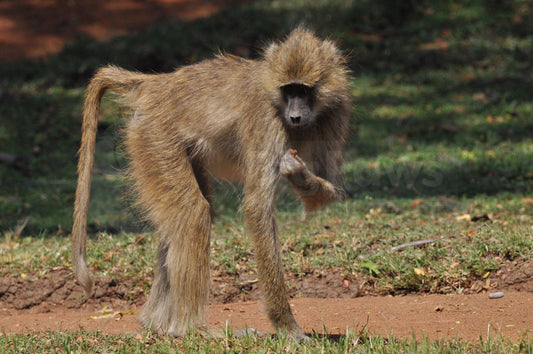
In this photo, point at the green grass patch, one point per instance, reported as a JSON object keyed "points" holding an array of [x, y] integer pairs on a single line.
{"points": [[96, 342], [354, 237]]}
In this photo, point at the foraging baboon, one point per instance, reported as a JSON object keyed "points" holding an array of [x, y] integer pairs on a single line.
{"points": [[235, 118]]}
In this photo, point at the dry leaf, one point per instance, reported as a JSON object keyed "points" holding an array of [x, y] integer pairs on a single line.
{"points": [[108, 256], [464, 217], [480, 97], [420, 272], [105, 314], [139, 241], [438, 44], [416, 203]]}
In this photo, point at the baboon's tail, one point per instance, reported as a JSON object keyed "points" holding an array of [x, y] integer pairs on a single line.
{"points": [[108, 78]]}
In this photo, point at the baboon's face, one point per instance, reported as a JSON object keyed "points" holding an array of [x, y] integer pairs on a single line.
{"points": [[298, 104]]}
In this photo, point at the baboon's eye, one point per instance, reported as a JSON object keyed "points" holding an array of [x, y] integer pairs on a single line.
{"points": [[296, 90]]}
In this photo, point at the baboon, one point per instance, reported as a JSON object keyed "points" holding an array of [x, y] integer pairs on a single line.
{"points": [[254, 121]]}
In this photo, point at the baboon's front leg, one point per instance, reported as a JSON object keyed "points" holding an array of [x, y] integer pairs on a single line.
{"points": [[313, 190], [261, 218]]}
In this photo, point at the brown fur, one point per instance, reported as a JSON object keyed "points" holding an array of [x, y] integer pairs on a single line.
{"points": [[220, 115]]}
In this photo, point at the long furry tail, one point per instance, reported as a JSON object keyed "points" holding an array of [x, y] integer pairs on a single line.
{"points": [[108, 78]]}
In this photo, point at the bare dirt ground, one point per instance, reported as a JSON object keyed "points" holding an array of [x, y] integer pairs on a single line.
{"points": [[321, 303], [34, 28]]}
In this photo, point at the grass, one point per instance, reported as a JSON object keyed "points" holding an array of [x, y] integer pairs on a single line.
{"points": [[441, 132], [350, 343], [354, 238]]}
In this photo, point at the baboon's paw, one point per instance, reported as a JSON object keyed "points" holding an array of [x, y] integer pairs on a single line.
{"points": [[291, 164]]}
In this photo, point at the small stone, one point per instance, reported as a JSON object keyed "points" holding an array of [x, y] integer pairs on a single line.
{"points": [[496, 295]]}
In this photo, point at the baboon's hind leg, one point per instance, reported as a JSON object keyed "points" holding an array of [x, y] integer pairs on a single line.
{"points": [[176, 205]]}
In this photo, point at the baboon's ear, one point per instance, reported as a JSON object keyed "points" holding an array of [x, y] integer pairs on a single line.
{"points": [[270, 50], [334, 52]]}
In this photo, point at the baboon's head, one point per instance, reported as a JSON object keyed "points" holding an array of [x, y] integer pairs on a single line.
{"points": [[306, 76]]}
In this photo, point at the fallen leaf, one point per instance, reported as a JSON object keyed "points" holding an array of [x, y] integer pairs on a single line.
{"points": [[139, 241], [106, 314], [402, 138], [116, 315], [481, 97], [464, 217], [467, 77], [108, 256], [416, 203], [420, 272], [335, 220], [438, 44]]}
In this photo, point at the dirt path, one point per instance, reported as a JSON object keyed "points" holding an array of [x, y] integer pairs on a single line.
{"points": [[435, 316], [51, 300]]}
